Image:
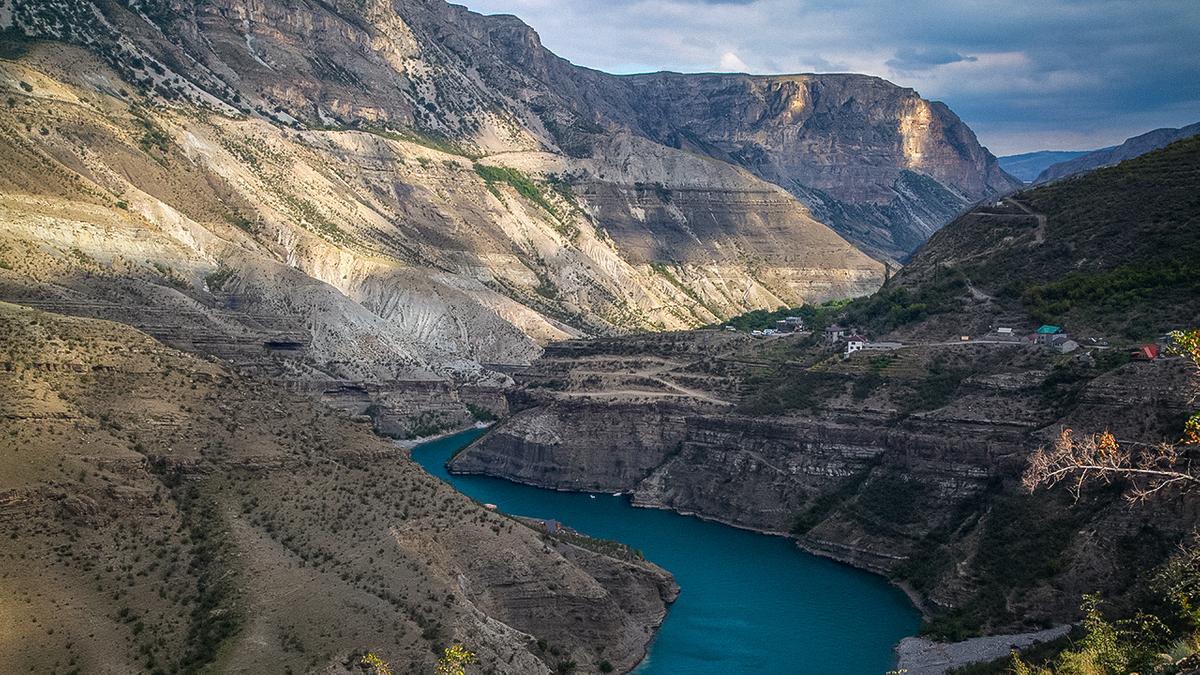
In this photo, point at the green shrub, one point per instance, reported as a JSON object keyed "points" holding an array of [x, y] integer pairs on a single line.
{"points": [[936, 389], [893, 499], [527, 188], [480, 413]]}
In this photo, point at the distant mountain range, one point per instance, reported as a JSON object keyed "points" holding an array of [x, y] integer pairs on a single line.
{"points": [[1132, 147], [1046, 165], [1029, 165]]}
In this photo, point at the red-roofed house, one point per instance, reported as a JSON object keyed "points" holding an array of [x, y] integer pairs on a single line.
{"points": [[1144, 353]]}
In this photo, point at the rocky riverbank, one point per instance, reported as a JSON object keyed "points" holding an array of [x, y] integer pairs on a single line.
{"points": [[919, 656]]}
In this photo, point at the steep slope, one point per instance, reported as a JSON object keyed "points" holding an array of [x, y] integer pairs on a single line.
{"points": [[907, 461], [1027, 166], [484, 85], [346, 255], [465, 258], [1113, 252], [1132, 147], [883, 166], [163, 513]]}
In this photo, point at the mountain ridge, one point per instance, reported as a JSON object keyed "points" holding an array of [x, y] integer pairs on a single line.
{"points": [[1132, 147], [389, 193], [576, 94], [1027, 166]]}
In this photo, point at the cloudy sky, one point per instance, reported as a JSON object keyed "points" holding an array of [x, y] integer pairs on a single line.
{"points": [[1026, 75]]}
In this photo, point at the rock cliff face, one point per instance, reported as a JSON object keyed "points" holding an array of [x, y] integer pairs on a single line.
{"points": [[368, 193], [330, 256], [907, 460], [861, 467], [164, 512], [883, 166], [441, 181]]}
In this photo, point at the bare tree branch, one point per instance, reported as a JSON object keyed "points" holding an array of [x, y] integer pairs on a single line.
{"points": [[1149, 468]]}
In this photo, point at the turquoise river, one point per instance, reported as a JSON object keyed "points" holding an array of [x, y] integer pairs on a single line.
{"points": [[749, 603]]}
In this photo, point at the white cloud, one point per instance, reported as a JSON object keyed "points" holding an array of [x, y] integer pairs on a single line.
{"points": [[732, 63]]}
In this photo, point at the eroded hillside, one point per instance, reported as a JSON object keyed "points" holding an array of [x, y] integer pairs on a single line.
{"points": [[451, 192], [162, 513], [359, 257]]}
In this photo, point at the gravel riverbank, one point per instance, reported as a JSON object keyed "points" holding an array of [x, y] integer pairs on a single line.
{"points": [[919, 656]]}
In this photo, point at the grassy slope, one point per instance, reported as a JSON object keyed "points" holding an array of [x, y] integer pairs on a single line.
{"points": [[1121, 249], [1131, 237]]}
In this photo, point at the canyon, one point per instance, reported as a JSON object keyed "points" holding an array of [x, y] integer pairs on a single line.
{"points": [[240, 241], [907, 460], [857, 467]]}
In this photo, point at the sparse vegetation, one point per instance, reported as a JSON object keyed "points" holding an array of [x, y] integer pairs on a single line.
{"points": [[157, 554], [527, 188], [216, 279], [480, 413], [13, 45], [454, 660]]}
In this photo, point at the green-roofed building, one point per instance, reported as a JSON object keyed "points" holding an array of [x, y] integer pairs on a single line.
{"points": [[1049, 330]]}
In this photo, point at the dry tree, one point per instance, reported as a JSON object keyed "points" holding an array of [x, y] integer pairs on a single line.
{"points": [[1080, 460], [1149, 468]]}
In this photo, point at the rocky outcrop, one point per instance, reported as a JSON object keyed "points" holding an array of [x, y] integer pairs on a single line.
{"points": [[857, 461]]}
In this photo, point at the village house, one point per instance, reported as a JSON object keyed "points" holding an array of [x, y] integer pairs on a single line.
{"points": [[1063, 344], [1045, 335], [855, 343], [835, 332]]}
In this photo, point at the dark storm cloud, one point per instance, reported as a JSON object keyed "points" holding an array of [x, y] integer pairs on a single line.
{"points": [[908, 60], [1024, 74]]}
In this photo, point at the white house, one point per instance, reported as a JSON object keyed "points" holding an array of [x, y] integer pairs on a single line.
{"points": [[855, 343]]}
